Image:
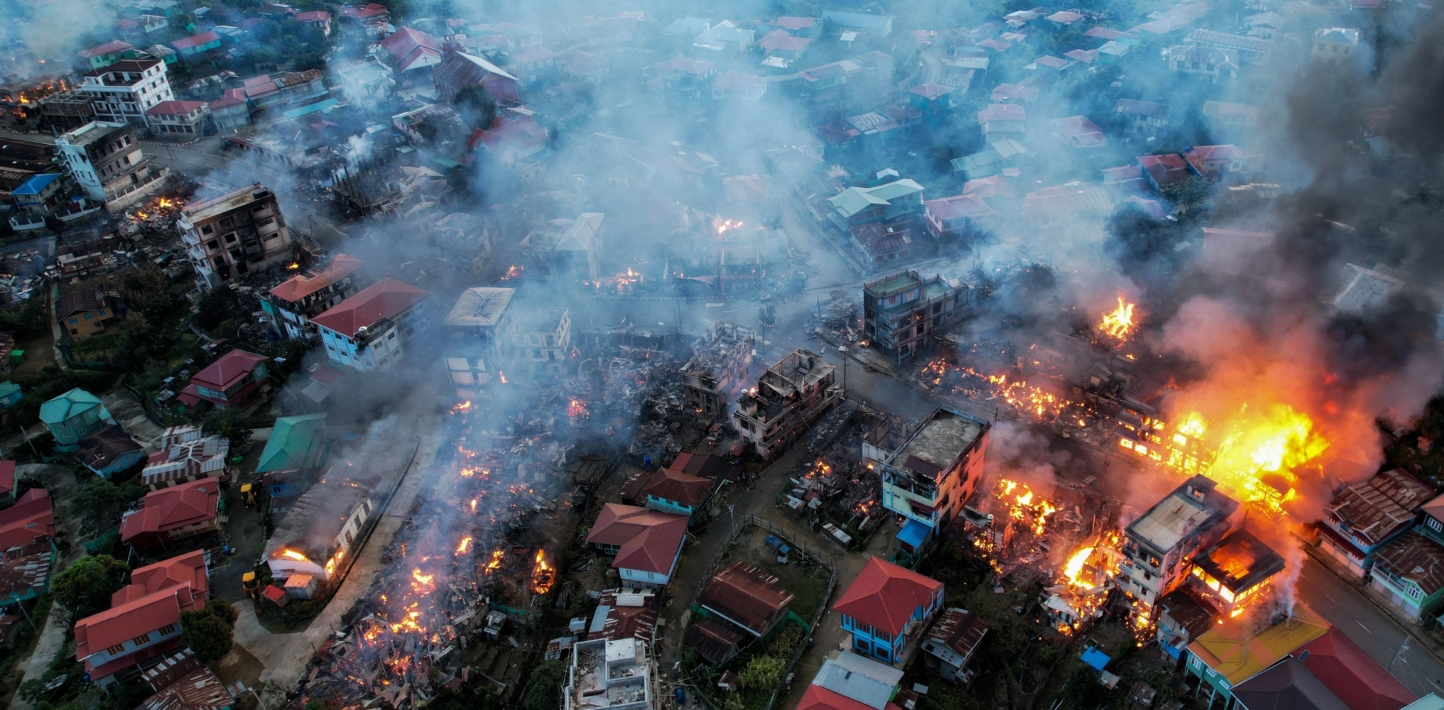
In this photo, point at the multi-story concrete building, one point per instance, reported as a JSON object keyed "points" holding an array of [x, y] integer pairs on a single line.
{"points": [[294, 302], [125, 90], [234, 234], [472, 354], [929, 478], [1162, 543], [537, 341], [107, 162], [718, 369], [617, 675], [371, 330], [789, 398], [900, 312]]}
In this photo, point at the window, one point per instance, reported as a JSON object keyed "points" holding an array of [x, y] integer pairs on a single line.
{"points": [[113, 650], [73, 321], [231, 238], [207, 230], [167, 630], [213, 244], [141, 639]]}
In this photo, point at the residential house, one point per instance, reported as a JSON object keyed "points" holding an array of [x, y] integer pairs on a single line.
{"points": [[511, 138], [1366, 515], [902, 311], [933, 100], [169, 515], [27, 552], [186, 455], [716, 642], [746, 598], [1351, 674], [1249, 49], [1334, 45], [1212, 62], [586, 67], [723, 40], [30, 520], [847, 681], [856, 24], [798, 26], [952, 642], [371, 330], [459, 70], [106, 160], [886, 608], [412, 50], [293, 455], [73, 416], [1237, 649], [534, 65], [1286, 684], [623, 614], [574, 251], [85, 312], [181, 682], [1223, 117], [1181, 617], [1080, 133], [618, 671], [368, 13], [43, 196], [366, 83], [143, 623], [180, 120], [1162, 543], [292, 304], [234, 380], [229, 236], [785, 45], [789, 398], [1003, 121], [718, 369], [1431, 523], [1409, 572], [856, 206], [933, 474], [736, 86], [473, 351], [1265, 25], [685, 77], [644, 544], [319, 19], [1217, 162], [124, 90], [231, 111], [197, 44], [682, 32], [108, 452], [1145, 118], [537, 341], [672, 491], [7, 484], [1236, 569], [1164, 170], [106, 54], [283, 89]]}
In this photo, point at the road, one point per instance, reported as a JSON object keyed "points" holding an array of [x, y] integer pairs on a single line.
{"points": [[1348, 609]]}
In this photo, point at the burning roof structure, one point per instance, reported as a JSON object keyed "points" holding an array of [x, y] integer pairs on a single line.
{"points": [[789, 398], [719, 368], [1160, 544], [1236, 569]]}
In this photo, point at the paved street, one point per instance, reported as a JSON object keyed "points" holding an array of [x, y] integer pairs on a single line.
{"points": [[1347, 608]]}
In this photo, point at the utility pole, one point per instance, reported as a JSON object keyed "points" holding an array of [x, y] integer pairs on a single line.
{"points": [[1402, 648]]}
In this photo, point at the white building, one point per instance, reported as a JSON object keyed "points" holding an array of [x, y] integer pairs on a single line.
{"points": [[1334, 45], [472, 354], [125, 90], [617, 675], [370, 331], [106, 161]]}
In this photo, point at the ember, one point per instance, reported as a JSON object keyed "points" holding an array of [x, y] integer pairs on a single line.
{"points": [[1119, 323], [543, 575], [512, 272], [464, 545], [577, 408], [725, 225], [462, 408]]}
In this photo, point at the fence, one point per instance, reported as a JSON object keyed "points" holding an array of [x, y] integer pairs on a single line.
{"points": [[816, 615]]}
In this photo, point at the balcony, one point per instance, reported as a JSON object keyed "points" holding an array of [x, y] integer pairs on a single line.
{"points": [[26, 221]]}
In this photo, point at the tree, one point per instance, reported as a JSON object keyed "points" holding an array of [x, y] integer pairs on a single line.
{"points": [[220, 305], [223, 610], [543, 689], [209, 632], [85, 587], [762, 672], [98, 504]]}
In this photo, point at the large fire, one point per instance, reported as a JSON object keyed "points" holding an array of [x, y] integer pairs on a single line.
{"points": [[543, 575], [1119, 323], [294, 555]]}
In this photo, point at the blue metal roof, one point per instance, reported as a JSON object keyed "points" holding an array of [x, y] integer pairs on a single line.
{"points": [[35, 184], [1096, 658], [913, 534], [326, 105]]}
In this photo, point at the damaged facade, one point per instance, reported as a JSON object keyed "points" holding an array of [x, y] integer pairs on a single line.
{"points": [[235, 234], [719, 367], [789, 398], [900, 312], [929, 478]]}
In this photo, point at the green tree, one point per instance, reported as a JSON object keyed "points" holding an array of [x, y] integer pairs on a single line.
{"points": [[762, 672], [223, 610], [98, 504], [543, 689], [85, 587], [208, 633]]}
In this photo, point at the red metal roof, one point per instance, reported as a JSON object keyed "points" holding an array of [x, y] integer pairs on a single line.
{"points": [[386, 298], [817, 697], [230, 369], [110, 47], [302, 285], [781, 41], [365, 12], [175, 108], [195, 40], [171, 508], [885, 595], [523, 133], [1352, 675], [127, 621], [648, 541], [666, 484], [183, 570], [7, 477], [313, 16], [232, 97], [408, 45], [958, 207], [31, 517], [747, 596]]}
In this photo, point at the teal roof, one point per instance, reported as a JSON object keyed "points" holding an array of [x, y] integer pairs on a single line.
{"points": [[296, 442], [8, 388], [856, 199], [326, 105], [68, 406]]}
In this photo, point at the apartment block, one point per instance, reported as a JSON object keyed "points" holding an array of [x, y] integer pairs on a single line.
{"points": [[900, 312], [929, 478], [789, 398], [232, 235]]}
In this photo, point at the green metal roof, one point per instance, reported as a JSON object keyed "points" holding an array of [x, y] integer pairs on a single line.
{"points": [[296, 442], [856, 199], [68, 406]]}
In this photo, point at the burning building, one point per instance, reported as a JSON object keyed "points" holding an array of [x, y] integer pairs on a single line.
{"points": [[900, 312], [934, 472], [292, 304], [619, 675], [473, 349], [1181, 617], [789, 398], [106, 160], [1366, 515], [573, 249], [234, 234], [719, 368], [1235, 571], [1160, 544]]}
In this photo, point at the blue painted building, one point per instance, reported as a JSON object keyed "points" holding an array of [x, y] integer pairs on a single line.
{"points": [[1365, 516], [886, 608], [671, 491]]}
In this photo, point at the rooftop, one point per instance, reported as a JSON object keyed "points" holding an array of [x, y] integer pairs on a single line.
{"points": [[667, 484], [647, 540], [1240, 561], [172, 508], [859, 678], [198, 212], [1375, 509], [1352, 675], [480, 307], [1244, 645], [1191, 507], [885, 595], [938, 442], [1415, 558], [1288, 684], [957, 630], [302, 285], [746, 596], [387, 298], [231, 368]]}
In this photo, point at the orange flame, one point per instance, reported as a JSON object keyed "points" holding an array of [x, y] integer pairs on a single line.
{"points": [[294, 555], [543, 575], [576, 408], [464, 545], [1119, 323], [495, 562]]}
